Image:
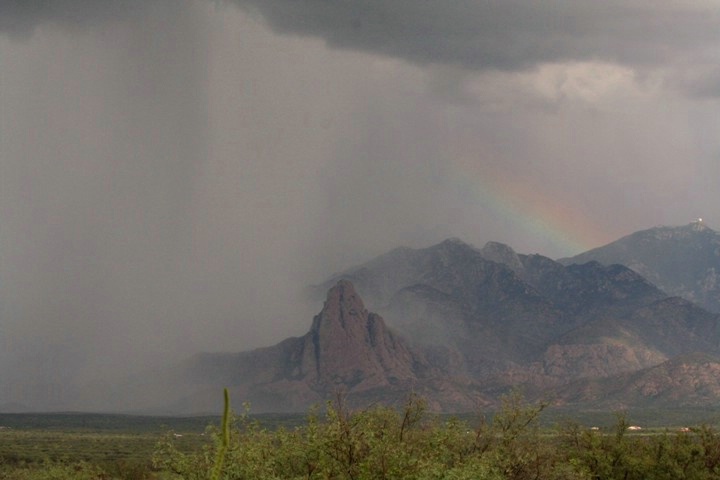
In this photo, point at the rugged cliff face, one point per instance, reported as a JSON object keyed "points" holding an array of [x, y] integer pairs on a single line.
{"points": [[350, 347], [348, 351]]}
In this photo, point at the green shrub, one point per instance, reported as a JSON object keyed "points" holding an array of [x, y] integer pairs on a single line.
{"points": [[408, 443]]}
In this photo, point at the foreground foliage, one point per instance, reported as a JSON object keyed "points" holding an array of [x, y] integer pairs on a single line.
{"points": [[378, 443], [407, 443]]}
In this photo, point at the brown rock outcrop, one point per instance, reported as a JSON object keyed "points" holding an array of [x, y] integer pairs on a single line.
{"points": [[348, 350], [349, 346]]}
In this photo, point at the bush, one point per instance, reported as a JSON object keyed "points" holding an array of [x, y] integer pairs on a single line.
{"points": [[376, 443], [407, 443]]}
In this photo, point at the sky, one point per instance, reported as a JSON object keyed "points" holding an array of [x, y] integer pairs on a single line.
{"points": [[173, 173]]}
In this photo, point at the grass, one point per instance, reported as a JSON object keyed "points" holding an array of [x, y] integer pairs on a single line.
{"points": [[121, 446], [37, 446], [58, 446]]}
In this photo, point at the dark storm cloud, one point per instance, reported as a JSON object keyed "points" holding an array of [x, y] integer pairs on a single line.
{"points": [[501, 34], [494, 34]]}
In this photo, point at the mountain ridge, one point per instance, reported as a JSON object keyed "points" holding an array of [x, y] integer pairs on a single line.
{"points": [[528, 320], [683, 261], [462, 325]]}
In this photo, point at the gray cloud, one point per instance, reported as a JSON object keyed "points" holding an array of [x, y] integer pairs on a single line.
{"points": [[495, 34], [507, 35], [502, 34]]}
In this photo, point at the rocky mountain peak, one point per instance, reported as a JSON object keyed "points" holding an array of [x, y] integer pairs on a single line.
{"points": [[343, 305], [451, 247], [349, 346], [349, 351], [501, 253], [453, 241]]}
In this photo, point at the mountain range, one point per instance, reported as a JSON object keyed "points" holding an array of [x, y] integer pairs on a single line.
{"points": [[682, 261], [460, 325]]}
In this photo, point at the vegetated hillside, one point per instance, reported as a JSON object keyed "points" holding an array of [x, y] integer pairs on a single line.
{"points": [[348, 351], [683, 261]]}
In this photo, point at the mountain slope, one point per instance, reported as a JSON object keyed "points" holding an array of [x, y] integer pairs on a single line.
{"points": [[579, 289], [682, 261]]}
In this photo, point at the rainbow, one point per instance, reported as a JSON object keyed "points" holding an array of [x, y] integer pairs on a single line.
{"points": [[530, 210]]}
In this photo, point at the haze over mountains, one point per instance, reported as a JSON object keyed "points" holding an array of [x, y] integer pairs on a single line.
{"points": [[463, 325]]}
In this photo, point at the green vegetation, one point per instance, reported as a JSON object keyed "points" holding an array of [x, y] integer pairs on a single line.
{"points": [[375, 443], [387, 443], [54, 454]]}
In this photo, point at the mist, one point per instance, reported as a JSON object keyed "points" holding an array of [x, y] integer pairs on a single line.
{"points": [[173, 174]]}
